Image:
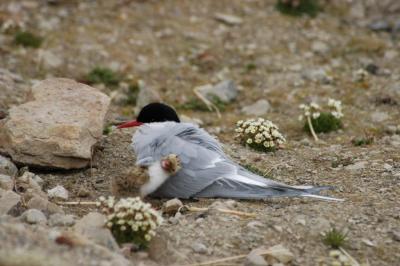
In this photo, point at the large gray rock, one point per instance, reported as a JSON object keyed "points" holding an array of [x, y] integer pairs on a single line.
{"points": [[7, 167], [34, 216], [57, 126]]}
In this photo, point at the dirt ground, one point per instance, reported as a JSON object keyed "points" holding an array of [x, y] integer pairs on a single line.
{"points": [[175, 46]]}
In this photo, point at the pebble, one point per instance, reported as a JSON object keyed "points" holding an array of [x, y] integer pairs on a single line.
{"points": [[317, 75], [7, 167], [199, 248], [378, 116], [254, 259], [319, 47], [172, 206], [34, 216], [58, 192], [259, 108], [380, 25], [59, 219], [226, 91]]}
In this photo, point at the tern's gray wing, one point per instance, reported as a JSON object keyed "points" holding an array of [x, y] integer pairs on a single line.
{"points": [[206, 171]]}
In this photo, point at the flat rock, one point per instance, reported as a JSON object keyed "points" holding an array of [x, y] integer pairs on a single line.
{"points": [[57, 126], [226, 91], [378, 117], [34, 216], [261, 107], [92, 227], [254, 259], [8, 199], [199, 248], [7, 167]]}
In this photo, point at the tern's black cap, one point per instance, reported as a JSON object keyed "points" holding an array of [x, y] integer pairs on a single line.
{"points": [[157, 112]]}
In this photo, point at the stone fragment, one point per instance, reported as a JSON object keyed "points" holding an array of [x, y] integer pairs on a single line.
{"points": [[378, 117], [59, 219], [225, 91], [57, 126], [34, 216], [172, 206], [255, 259], [280, 253], [228, 19], [259, 108], [8, 199], [7, 167], [92, 227], [58, 192], [319, 47], [356, 166]]}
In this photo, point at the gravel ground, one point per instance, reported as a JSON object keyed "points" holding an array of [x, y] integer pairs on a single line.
{"points": [[175, 46]]}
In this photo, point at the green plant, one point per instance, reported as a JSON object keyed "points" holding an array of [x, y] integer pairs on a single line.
{"points": [[107, 129], [133, 91], [334, 238], [259, 134], [27, 39], [298, 7], [197, 105], [103, 75], [130, 220], [362, 141], [324, 123]]}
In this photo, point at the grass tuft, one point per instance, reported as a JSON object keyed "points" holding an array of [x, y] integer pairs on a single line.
{"points": [[298, 7], [335, 238], [27, 39], [103, 75]]}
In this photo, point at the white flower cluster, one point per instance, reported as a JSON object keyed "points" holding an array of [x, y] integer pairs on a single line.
{"points": [[336, 108], [313, 110], [259, 133], [130, 216]]}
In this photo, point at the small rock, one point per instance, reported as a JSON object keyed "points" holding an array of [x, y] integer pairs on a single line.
{"points": [[254, 259], [83, 192], [395, 235], [226, 91], [317, 75], [59, 219], [31, 180], [7, 167], [187, 119], [320, 47], [261, 107], [199, 248], [37, 202], [379, 25], [8, 199], [280, 253], [172, 206], [51, 128], [390, 54], [368, 242], [58, 192], [372, 69], [92, 227], [387, 167], [228, 19], [145, 96], [34, 216], [6, 182], [356, 166], [378, 116], [254, 224]]}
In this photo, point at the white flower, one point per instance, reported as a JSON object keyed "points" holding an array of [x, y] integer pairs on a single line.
{"points": [[249, 141], [316, 115], [314, 105]]}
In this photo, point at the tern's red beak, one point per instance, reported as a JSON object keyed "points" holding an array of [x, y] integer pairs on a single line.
{"points": [[132, 123]]}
